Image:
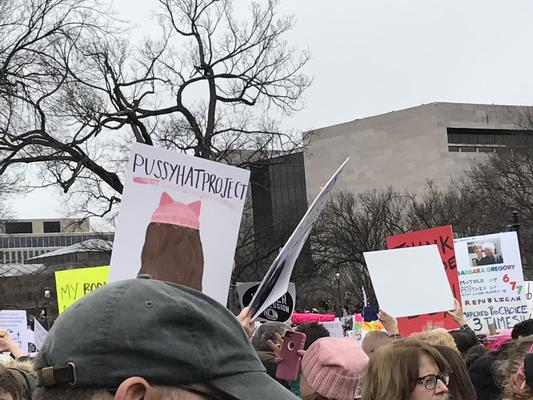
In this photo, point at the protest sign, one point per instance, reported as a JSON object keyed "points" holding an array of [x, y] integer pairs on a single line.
{"points": [[40, 334], [307, 318], [73, 284], [16, 324], [179, 220], [334, 328], [492, 282], [442, 236], [397, 274], [280, 311], [276, 280]]}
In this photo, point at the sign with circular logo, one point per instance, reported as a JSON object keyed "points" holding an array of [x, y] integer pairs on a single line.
{"points": [[280, 311]]}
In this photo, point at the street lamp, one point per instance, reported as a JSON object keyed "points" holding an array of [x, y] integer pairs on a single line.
{"points": [[47, 296], [338, 279]]}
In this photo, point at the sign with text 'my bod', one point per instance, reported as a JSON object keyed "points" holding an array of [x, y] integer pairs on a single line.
{"points": [[280, 311], [276, 281], [73, 284], [179, 220], [492, 282], [442, 236]]}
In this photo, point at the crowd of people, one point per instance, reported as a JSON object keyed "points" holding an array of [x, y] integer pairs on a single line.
{"points": [[144, 339]]}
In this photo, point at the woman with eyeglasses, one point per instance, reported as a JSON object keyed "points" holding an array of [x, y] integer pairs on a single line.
{"points": [[406, 369]]}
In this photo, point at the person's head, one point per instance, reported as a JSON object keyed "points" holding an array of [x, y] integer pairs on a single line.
{"points": [[313, 331], [332, 369], [15, 383], [464, 340], [515, 385], [373, 340], [266, 332], [460, 386], [478, 250], [143, 339], [483, 377], [489, 249], [436, 337], [406, 369], [522, 329], [474, 353]]}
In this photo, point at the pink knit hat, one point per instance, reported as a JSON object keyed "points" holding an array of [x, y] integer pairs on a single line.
{"points": [[333, 367], [176, 213]]}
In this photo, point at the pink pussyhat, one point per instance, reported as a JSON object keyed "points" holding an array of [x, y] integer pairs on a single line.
{"points": [[176, 213]]}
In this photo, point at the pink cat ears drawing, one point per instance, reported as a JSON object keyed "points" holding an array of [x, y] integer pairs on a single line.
{"points": [[175, 213]]}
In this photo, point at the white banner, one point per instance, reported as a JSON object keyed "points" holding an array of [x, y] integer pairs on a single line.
{"points": [[491, 280]]}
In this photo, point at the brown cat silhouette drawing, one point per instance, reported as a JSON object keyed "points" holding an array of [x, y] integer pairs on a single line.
{"points": [[172, 248]]}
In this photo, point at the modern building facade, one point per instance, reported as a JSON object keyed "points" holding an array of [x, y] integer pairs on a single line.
{"points": [[22, 240], [404, 149]]}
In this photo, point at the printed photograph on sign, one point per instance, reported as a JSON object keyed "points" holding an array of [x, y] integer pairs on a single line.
{"points": [[485, 253], [179, 220]]}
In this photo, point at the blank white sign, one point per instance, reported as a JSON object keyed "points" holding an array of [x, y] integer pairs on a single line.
{"points": [[410, 281]]}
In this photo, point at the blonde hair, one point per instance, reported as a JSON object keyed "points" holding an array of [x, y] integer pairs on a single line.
{"points": [[436, 337]]}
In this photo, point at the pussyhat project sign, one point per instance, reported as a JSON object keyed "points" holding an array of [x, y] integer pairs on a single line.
{"points": [[179, 220]]}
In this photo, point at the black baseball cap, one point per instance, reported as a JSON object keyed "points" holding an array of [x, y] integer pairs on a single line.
{"points": [[166, 333]]}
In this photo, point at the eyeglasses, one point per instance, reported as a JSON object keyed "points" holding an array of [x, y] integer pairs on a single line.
{"points": [[430, 381]]}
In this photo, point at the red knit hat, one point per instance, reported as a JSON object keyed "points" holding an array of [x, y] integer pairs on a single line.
{"points": [[333, 367]]}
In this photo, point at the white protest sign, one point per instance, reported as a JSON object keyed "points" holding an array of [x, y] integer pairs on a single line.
{"points": [[276, 281], [179, 220], [334, 328], [40, 334], [410, 281], [15, 323], [491, 280], [280, 311]]}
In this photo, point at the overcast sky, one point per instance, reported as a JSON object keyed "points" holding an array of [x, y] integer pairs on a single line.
{"points": [[370, 57]]}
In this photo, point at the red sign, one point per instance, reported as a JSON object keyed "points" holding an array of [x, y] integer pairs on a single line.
{"points": [[442, 236]]}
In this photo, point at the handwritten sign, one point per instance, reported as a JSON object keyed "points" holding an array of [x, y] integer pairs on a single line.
{"points": [[276, 281], [73, 284], [334, 328], [16, 324], [442, 236], [492, 281], [179, 220]]}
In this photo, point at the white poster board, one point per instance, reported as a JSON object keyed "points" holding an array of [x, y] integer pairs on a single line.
{"points": [[410, 281], [40, 334], [180, 215], [528, 285], [334, 328], [276, 281], [15, 323], [491, 280]]}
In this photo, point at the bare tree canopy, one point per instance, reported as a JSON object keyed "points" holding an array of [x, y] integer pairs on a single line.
{"points": [[74, 92]]}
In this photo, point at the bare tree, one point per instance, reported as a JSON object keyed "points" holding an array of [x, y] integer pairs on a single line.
{"points": [[78, 94]]}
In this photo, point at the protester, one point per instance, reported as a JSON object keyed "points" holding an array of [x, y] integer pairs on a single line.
{"points": [[8, 345], [373, 340], [313, 331], [460, 385], [406, 369], [436, 337], [522, 329], [267, 333], [149, 340], [16, 382], [519, 378], [464, 340], [332, 369]]}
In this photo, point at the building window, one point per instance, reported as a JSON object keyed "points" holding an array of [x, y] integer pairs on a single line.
{"points": [[474, 136], [52, 227], [453, 149], [18, 227]]}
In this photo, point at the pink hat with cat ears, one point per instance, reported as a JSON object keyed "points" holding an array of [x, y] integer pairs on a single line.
{"points": [[176, 213]]}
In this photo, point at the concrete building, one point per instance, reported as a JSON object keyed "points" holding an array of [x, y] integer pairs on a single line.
{"points": [[22, 239], [404, 149]]}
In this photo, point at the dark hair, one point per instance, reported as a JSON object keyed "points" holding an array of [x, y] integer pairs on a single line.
{"points": [[483, 379], [313, 332], [13, 382], [464, 340], [460, 386], [474, 353], [266, 332], [524, 328], [62, 393]]}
